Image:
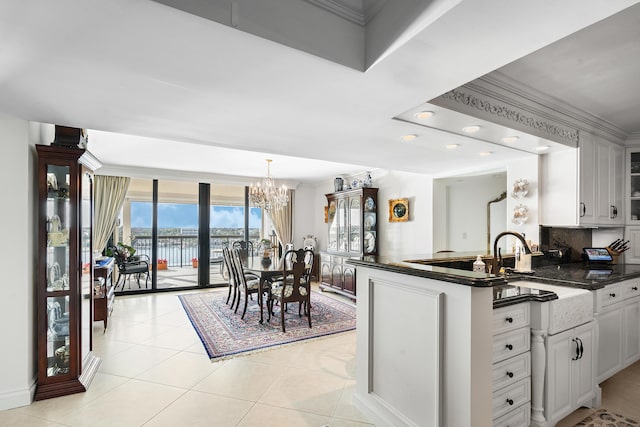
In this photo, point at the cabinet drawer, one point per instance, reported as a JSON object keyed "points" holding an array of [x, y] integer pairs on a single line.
{"points": [[630, 289], [609, 295], [508, 398], [510, 318], [518, 417], [510, 344], [511, 370]]}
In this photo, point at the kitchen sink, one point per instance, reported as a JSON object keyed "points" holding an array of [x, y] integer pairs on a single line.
{"points": [[573, 307]]}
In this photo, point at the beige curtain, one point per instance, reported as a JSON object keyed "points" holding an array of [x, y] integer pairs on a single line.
{"points": [[109, 198], [282, 220]]}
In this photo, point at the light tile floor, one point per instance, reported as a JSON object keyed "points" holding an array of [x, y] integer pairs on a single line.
{"points": [[155, 372]]}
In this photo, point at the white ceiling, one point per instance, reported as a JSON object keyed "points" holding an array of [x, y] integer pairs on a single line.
{"points": [[199, 94]]}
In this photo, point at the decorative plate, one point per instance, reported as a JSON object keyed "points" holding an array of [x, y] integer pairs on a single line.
{"points": [[369, 220], [369, 242], [369, 204]]}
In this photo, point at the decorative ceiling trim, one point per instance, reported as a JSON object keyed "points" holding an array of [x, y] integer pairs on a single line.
{"points": [[516, 93], [342, 10], [507, 113]]}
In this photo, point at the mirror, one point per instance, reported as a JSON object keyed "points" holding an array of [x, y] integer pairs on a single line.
{"points": [[469, 211]]}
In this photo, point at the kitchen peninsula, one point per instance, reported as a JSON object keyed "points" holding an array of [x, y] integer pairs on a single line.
{"points": [[429, 339]]}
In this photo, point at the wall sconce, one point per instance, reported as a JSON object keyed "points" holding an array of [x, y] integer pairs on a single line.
{"points": [[520, 214], [520, 189]]}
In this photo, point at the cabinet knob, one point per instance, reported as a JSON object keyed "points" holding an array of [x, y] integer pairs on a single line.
{"points": [[634, 288], [510, 401], [510, 374], [509, 319], [509, 347], [612, 295]]}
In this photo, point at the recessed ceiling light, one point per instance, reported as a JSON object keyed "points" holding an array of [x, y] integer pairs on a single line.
{"points": [[542, 148], [471, 129], [486, 153], [423, 114], [509, 139], [409, 137], [452, 146]]}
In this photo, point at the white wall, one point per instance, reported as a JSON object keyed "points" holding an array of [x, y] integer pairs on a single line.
{"points": [[17, 316], [394, 238]]}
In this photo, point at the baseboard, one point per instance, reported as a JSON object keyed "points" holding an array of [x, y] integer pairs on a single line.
{"points": [[17, 398]]}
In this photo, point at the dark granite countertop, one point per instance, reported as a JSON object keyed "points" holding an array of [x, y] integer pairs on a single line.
{"points": [[453, 275], [505, 289], [505, 295], [581, 275]]}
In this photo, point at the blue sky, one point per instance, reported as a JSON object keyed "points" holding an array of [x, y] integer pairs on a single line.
{"points": [[173, 215]]}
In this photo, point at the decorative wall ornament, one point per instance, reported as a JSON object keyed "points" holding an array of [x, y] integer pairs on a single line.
{"points": [[520, 189], [399, 210], [520, 214], [505, 112]]}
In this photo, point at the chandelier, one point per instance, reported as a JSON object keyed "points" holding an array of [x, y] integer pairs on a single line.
{"points": [[266, 195]]}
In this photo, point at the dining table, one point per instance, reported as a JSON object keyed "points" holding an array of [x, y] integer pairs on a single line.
{"points": [[265, 269]]}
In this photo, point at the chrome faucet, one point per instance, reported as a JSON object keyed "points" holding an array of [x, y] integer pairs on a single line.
{"points": [[495, 267]]}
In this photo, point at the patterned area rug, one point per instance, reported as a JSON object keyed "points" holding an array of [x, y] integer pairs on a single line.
{"points": [[604, 418], [224, 334]]}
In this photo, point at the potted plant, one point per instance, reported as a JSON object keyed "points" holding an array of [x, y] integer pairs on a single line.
{"points": [[194, 262]]}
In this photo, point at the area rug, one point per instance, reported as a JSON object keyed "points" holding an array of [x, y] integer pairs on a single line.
{"points": [[605, 418], [225, 334]]}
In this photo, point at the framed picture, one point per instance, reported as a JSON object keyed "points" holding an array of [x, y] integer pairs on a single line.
{"points": [[398, 210]]}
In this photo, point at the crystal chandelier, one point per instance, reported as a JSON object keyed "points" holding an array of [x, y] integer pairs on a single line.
{"points": [[266, 195]]}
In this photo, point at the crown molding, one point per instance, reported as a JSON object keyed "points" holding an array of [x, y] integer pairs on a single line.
{"points": [[469, 101], [502, 87], [342, 10]]}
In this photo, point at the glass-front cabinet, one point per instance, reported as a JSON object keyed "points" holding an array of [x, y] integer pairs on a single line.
{"points": [[633, 186], [66, 363], [352, 232]]}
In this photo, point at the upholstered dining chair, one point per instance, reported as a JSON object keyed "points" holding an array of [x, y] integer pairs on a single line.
{"points": [[233, 285], [245, 247], [295, 285], [246, 285]]}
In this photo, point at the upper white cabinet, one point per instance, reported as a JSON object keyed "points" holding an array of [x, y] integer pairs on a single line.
{"points": [[633, 186], [583, 186]]}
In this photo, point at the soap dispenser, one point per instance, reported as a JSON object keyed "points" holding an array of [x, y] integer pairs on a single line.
{"points": [[478, 265]]}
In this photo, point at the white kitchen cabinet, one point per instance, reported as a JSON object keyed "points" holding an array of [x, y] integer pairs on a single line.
{"points": [[632, 234], [617, 309], [570, 372], [512, 364], [632, 194], [583, 186], [609, 164]]}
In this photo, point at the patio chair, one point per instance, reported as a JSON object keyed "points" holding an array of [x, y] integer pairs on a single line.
{"points": [[127, 266]]}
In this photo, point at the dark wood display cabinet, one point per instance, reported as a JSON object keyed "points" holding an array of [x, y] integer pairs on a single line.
{"points": [[352, 232], [64, 284]]}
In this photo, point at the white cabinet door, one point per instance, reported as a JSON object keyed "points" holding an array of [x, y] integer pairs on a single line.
{"points": [[631, 327], [587, 172], [608, 174], [584, 367], [610, 343], [616, 194], [570, 372], [560, 352]]}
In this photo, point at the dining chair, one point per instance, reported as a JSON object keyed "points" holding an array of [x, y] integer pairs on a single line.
{"points": [[246, 285], [245, 247], [233, 284], [295, 286]]}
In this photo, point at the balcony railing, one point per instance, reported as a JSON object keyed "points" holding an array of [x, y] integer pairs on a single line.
{"points": [[180, 250]]}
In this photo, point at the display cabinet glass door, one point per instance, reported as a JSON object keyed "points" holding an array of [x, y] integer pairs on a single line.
{"points": [[60, 315], [86, 259], [333, 227], [342, 223], [355, 236]]}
